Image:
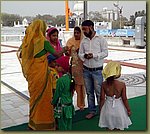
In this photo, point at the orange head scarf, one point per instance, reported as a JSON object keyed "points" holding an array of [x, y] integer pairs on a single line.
{"points": [[72, 41]]}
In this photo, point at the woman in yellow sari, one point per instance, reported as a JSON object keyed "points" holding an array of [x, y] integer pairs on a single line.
{"points": [[77, 66], [33, 58]]}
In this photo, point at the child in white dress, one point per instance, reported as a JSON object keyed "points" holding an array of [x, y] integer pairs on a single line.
{"points": [[114, 107]]}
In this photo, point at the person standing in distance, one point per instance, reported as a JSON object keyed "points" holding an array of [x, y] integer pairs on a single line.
{"points": [[93, 50]]}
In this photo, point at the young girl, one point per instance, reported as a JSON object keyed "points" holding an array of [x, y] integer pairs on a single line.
{"points": [[62, 100], [114, 107]]}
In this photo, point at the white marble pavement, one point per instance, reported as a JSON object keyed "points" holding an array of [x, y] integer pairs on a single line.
{"points": [[14, 108]]}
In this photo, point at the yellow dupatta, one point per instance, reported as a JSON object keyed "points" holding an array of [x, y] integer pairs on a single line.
{"points": [[35, 71], [77, 63], [32, 44], [76, 43]]}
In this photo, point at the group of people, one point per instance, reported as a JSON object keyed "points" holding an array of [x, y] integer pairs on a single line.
{"points": [[54, 73]]}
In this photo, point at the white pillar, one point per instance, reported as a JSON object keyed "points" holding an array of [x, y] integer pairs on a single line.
{"points": [[14, 23]]}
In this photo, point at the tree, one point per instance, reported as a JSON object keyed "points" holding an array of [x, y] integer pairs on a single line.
{"points": [[137, 14], [8, 19], [51, 20], [116, 24], [123, 21], [96, 16], [60, 20]]}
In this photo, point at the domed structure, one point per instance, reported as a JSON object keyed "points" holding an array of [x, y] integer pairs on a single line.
{"points": [[78, 8]]}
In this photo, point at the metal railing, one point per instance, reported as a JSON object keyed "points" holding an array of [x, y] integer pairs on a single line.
{"points": [[11, 38]]}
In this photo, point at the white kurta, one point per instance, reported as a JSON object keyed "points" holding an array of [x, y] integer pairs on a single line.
{"points": [[113, 114]]}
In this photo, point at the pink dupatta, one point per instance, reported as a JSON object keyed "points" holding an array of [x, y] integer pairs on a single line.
{"points": [[57, 49], [58, 46]]}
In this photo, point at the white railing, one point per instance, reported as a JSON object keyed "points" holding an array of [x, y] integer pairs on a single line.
{"points": [[65, 36], [11, 38]]}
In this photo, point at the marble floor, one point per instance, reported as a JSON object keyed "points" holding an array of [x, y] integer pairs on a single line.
{"points": [[14, 90]]}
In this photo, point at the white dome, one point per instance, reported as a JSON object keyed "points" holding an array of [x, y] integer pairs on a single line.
{"points": [[78, 8]]}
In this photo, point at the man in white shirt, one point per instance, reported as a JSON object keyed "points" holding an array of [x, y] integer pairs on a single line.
{"points": [[93, 50]]}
